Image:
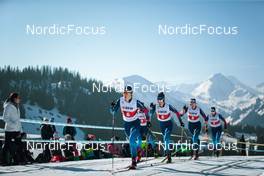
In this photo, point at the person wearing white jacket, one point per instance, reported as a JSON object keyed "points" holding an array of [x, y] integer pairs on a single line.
{"points": [[13, 129], [11, 117]]}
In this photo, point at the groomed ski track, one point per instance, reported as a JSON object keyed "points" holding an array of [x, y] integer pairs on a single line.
{"points": [[222, 166]]}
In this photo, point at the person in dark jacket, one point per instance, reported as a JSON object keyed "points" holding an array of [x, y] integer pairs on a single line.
{"points": [[46, 130], [70, 130], [243, 145]]}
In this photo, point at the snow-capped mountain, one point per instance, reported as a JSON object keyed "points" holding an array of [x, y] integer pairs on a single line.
{"points": [[252, 115], [183, 88], [260, 88], [242, 103], [147, 91], [186, 88], [227, 93], [173, 93], [217, 87]]}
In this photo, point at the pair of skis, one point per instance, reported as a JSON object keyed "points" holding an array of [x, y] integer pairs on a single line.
{"points": [[144, 164], [113, 137]]}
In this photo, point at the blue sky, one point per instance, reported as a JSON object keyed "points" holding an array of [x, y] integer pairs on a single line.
{"points": [[132, 44]]}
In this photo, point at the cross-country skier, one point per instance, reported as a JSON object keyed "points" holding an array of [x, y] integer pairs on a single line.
{"points": [[164, 115], [194, 124], [129, 108], [214, 120], [144, 132]]}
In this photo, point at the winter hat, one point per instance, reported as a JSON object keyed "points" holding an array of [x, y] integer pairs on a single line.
{"points": [[213, 109], [193, 100], [161, 96], [69, 120], [128, 89]]}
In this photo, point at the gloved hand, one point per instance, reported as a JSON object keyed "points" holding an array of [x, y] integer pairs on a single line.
{"points": [[185, 108], [182, 124], [151, 105], [206, 128], [225, 129], [113, 104], [148, 124]]}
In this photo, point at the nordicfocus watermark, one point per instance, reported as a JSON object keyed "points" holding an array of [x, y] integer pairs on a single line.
{"points": [[63, 30], [96, 145], [55, 145], [203, 145], [194, 30], [137, 87]]}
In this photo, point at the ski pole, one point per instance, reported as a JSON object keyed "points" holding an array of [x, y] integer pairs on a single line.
{"points": [[181, 141], [155, 139], [186, 135], [181, 133], [147, 136], [113, 139], [146, 146]]}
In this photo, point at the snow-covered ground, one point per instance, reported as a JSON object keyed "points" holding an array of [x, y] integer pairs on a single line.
{"points": [[223, 166]]}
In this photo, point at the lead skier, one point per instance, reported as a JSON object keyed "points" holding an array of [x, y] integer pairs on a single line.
{"points": [[129, 108]]}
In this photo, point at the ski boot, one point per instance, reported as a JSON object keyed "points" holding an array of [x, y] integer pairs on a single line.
{"points": [[133, 164], [139, 155], [191, 155], [156, 152], [168, 158], [217, 153], [196, 155]]}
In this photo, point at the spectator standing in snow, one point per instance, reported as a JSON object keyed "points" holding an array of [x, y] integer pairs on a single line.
{"points": [[70, 130], [46, 130], [13, 130], [46, 134], [243, 145]]}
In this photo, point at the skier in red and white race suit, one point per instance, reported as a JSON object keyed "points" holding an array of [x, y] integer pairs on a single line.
{"points": [[214, 120], [194, 124], [145, 133], [164, 113], [129, 107]]}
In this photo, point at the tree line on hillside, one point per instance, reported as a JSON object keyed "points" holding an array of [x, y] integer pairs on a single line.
{"points": [[58, 87]]}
